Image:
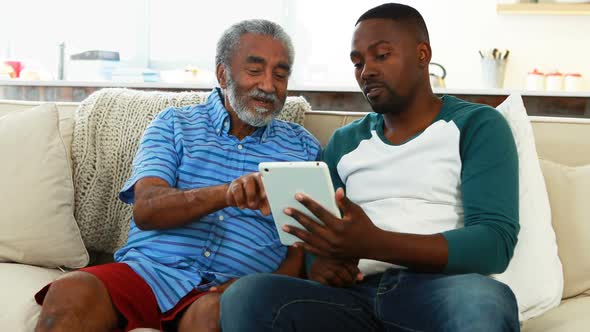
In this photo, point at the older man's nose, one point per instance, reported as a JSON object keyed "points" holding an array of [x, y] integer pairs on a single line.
{"points": [[266, 84]]}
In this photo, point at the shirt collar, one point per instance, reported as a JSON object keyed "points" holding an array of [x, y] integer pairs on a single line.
{"points": [[217, 111], [221, 120]]}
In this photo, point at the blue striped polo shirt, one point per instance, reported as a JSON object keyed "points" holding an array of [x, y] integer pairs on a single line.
{"points": [[190, 147]]}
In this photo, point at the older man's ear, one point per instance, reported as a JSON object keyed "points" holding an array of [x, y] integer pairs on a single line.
{"points": [[220, 72]]}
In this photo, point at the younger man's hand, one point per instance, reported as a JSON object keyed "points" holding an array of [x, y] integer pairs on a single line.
{"points": [[335, 272], [247, 192]]}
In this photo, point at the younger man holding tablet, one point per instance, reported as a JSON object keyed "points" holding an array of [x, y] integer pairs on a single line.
{"points": [[431, 208]]}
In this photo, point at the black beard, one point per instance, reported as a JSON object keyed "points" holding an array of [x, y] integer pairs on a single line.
{"points": [[394, 104]]}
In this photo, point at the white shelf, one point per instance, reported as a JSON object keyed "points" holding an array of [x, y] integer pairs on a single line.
{"points": [[106, 84]]}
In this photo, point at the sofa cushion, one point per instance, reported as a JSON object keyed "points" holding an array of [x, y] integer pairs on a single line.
{"points": [[18, 309], [534, 274], [552, 134], [37, 225], [65, 110], [569, 190], [109, 126], [570, 316]]}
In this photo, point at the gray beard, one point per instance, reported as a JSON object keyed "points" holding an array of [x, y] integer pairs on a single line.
{"points": [[260, 117]]}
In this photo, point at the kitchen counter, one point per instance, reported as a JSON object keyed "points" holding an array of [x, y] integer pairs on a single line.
{"points": [[207, 86], [506, 92], [342, 98]]}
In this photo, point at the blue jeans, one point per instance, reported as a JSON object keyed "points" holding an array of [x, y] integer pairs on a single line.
{"points": [[396, 300]]}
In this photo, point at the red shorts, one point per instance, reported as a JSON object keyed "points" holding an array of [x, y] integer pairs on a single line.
{"points": [[133, 297]]}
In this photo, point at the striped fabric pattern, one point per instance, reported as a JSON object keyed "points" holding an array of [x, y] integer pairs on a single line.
{"points": [[189, 148]]}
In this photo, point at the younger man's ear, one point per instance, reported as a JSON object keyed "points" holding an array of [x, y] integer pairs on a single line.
{"points": [[220, 72], [424, 54]]}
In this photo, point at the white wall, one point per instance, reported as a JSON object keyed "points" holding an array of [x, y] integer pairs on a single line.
{"points": [[181, 32], [458, 29]]}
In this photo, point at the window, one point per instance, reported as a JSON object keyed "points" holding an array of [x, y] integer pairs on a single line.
{"points": [[185, 33], [33, 30], [171, 36]]}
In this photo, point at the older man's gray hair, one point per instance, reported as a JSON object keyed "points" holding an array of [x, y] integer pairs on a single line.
{"points": [[229, 41]]}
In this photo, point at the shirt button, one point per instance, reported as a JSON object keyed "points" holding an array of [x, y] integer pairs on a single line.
{"points": [[207, 254], [221, 217], [240, 146]]}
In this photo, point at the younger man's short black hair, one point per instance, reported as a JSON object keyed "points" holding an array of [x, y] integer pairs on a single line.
{"points": [[400, 13]]}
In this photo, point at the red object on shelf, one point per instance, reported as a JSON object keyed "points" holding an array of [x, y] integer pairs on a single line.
{"points": [[16, 65], [555, 73]]}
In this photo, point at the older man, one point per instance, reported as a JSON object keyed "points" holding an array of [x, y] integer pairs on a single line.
{"points": [[200, 215]]}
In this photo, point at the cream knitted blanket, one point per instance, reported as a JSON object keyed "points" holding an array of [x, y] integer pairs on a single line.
{"points": [[109, 125]]}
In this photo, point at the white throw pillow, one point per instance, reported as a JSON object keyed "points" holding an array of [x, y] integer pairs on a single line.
{"points": [[37, 224], [534, 274]]}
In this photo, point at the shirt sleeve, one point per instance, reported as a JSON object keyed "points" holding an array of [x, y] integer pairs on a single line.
{"points": [[489, 186], [331, 156], [157, 156]]}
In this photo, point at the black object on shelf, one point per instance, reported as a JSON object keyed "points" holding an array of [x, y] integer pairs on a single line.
{"points": [[61, 60], [96, 55]]}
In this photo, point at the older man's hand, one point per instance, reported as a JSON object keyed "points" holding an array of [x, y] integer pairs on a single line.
{"points": [[335, 272], [221, 288], [247, 192]]}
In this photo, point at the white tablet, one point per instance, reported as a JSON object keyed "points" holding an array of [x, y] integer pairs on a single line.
{"points": [[282, 180]]}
